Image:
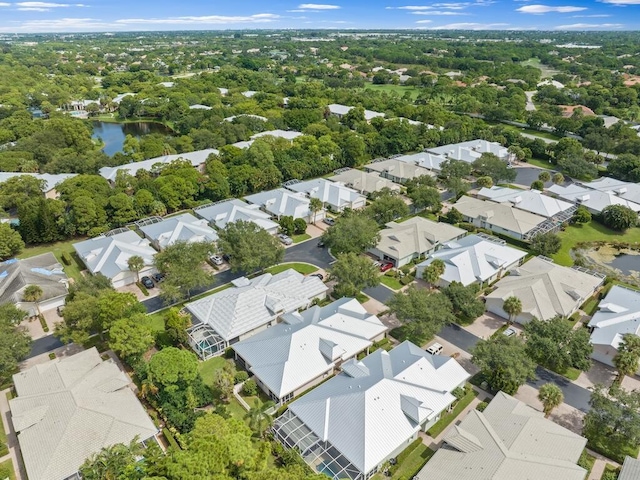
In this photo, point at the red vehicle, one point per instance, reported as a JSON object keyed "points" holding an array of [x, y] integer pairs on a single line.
{"points": [[386, 266]]}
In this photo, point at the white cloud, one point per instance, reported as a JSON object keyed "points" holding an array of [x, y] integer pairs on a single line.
{"points": [[622, 3], [424, 21], [439, 12], [317, 6], [472, 26], [59, 25], [47, 5], [588, 26], [202, 20], [598, 15], [2, 4], [539, 9]]}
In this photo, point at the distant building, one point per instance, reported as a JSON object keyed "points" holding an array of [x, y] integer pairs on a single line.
{"points": [[334, 196], [397, 171], [364, 182], [508, 440], [42, 270], [249, 307], [340, 111], [348, 427], [427, 160], [282, 203], [532, 201], [545, 289], [471, 150], [596, 196], [180, 228], [50, 181], [69, 409], [220, 214], [293, 356]]}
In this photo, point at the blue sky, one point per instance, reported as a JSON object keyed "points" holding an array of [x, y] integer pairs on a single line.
{"points": [[136, 15]]}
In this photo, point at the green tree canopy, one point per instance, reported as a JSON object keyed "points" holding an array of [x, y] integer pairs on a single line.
{"points": [[353, 272], [546, 244], [619, 217], [490, 165], [15, 342], [182, 262], [464, 300], [250, 247], [10, 242], [550, 395], [352, 233], [173, 368], [387, 207], [131, 337]]}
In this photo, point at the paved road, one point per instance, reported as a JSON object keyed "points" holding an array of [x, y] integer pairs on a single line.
{"points": [[303, 252], [44, 345]]}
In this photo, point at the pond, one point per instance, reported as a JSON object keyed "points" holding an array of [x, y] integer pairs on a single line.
{"points": [[113, 134], [627, 263]]}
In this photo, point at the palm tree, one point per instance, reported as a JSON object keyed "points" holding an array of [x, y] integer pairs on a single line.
{"points": [[557, 178], [315, 205], [551, 396], [136, 263], [259, 419], [513, 307], [433, 272], [544, 176], [32, 294]]}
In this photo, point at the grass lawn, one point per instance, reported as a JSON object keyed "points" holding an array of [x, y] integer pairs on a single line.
{"points": [[590, 306], [300, 238], [156, 321], [391, 282], [399, 89], [572, 373], [541, 134], [303, 268], [3, 441], [73, 270], [236, 410], [413, 463], [538, 162], [610, 472], [616, 452], [448, 417], [6, 470], [586, 461], [591, 232], [207, 368], [401, 334]]}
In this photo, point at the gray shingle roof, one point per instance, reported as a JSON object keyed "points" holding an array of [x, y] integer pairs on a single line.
{"points": [[43, 270], [369, 413], [236, 311], [507, 441], [306, 345], [66, 410], [364, 182]]}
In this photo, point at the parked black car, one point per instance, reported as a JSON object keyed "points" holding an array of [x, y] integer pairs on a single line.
{"points": [[147, 282], [158, 277]]}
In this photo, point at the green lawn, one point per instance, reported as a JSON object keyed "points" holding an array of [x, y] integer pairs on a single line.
{"points": [[586, 461], [391, 282], [3, 441], [156, 321], [236, 410], [591, 232], [207, 368], [300, 238], [6, 470], [399, 89], [73, 270], [413, 463], [303, 268], [538, 162], [448, 417], [590, 306], [616, 452], [572, 373]]}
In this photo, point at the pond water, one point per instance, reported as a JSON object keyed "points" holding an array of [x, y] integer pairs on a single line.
{"points": [[113, 134], [626, 263]]}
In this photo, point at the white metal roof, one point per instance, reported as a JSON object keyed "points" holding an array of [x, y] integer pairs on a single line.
{"points": [[66, 410], [256, 302], [233, 210], [369, 415], [618, 314], [596, 200], [509, 440], [282, 202], [308, 344], [109, 255], [184, 227], [335, 194], [499, 214], [399, 169], [474, 259], [50, 180], [364, 182], [426, 160], [196, 159], [471, 150], [532, 201], [547, 289]]}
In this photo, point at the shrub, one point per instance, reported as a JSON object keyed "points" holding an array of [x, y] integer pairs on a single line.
{"points": [[43, 322], [481, 406], [407, 279], [406, 269], [171, 440], [52, 356], [143, 289], [467, 226], [250, 388], [458, 393], [240, 376], [66, 258]]}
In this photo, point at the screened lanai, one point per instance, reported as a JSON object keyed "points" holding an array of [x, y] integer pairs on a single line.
{"points": [[205, 341]]}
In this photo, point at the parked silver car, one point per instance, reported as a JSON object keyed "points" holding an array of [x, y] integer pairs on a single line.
{"points": [[285, 239]]}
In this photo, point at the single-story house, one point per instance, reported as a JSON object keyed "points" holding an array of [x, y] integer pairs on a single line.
{"points": [[553, 83], [499, 217], [364, 182], [618, 314], [49, 181], [197, 159], [181, 228], [474, 259], [228, 211], [282, 202], [67, 410], [594, 200], [545, 289], [397, 170], [42, 270], [340, 111], [630, 469], [348, 427], [508, 440], [248, 115], [307, 347], [109, 254], [533, 201], [199, 106], [286, 134], [471, 150], [401, 243], [334, 196], [426, 160], [625, 190], [251, 306], [569, 110], [249, 93]]}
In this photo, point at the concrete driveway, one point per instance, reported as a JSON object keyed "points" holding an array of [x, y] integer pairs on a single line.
{"points": [[133, 288], [485, 325], [598, 374]]}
